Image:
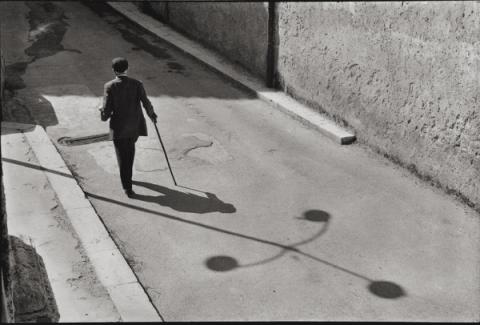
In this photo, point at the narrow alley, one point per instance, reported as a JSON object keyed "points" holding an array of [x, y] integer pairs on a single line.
{"points": [[270, 220]]}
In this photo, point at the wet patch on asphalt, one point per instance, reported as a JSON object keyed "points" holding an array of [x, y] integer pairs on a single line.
{"points": [[175, 67], [47, 29], [188, 143], [199, 146], [139, 37]]}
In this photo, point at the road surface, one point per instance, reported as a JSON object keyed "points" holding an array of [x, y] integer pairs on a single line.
{"points": [[271, 221]]}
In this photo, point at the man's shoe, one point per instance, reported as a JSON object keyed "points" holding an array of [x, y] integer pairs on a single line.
{"points": [[130, 193]]}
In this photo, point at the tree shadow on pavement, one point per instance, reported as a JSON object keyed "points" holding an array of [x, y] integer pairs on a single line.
{"points": [[184, 202]]}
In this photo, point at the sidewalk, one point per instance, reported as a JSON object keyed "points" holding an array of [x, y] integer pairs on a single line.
{"points": [[294, 226], [236, 74], [48, 214]]}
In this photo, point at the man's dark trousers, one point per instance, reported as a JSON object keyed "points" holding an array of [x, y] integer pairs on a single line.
{"points": [[125, 150], [122, 101]]}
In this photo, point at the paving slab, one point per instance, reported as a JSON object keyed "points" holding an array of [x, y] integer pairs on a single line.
{"points": [[47, 208], [36, 216]]}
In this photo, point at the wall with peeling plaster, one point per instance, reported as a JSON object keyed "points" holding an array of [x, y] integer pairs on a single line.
{"points": [[404, 76]]}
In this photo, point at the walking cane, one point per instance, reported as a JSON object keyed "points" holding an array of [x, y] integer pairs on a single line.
{"points": [[165, 152]]}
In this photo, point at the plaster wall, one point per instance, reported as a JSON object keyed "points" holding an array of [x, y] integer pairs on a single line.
{"points": [[237, 30], [404, 76], [157, 9]]}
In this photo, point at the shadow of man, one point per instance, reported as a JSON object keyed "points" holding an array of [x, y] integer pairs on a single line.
{"points": [[184, 202]]}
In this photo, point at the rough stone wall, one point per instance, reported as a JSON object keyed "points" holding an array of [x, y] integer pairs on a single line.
{"points": [[236, 30], [6, 295], [404, 76], [32, 293], [6, 299], [2, 76]]}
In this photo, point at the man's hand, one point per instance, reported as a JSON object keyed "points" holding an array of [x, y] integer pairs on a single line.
{"points": [[103, 117], [154, 118]]}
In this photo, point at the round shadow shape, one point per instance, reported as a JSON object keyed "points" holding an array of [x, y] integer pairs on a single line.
{"points": [[385, 289], [221, 263], [317, 215]]}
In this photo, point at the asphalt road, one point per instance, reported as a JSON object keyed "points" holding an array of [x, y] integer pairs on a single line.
{"points": [[271, 221]]}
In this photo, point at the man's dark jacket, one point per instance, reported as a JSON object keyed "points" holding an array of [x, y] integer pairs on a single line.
{"points": [[121, 103]]}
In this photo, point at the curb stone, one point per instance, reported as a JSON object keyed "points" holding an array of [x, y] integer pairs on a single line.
{"points": [[240, 76], [111, 268]]}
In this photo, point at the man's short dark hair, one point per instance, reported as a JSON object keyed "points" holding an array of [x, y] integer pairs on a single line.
{"points": [[119, 65]]}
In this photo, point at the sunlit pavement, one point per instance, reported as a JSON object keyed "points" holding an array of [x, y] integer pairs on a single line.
{"points": [[271, 221], [38, 222]]}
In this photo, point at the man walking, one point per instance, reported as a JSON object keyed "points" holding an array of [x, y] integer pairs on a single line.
{"points": [[121, 103]]}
